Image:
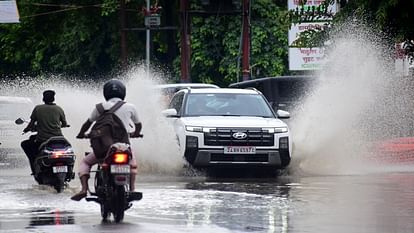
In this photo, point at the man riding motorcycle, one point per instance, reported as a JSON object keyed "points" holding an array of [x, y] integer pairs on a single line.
{"points": [[113, 91], [47, 119]]}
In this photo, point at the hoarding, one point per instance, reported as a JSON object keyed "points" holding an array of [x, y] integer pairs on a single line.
{"points": [[307, 58], [8, 12]]}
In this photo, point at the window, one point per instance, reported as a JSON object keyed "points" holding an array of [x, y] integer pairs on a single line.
{"points": [[225, 104], [177, 102]]}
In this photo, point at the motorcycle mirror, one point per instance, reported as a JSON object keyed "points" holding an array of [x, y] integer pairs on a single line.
{"points": [[19, 121]]}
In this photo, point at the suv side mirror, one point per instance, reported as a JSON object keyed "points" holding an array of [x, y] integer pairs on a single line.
{"points": [[282, 114], [171, 112]]}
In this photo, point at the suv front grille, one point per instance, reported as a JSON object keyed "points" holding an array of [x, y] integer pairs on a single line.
{"points": [[224, 137], [261, 158]]}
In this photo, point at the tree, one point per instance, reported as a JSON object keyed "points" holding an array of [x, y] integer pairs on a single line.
{"points": [[73, 38], [394, 18], [215, 42], [82, 38], [54, 37]]}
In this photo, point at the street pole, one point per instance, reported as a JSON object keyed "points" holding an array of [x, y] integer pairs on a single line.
{"points": [[147, 54], [246, 40], [123, 34], [185, 42]]}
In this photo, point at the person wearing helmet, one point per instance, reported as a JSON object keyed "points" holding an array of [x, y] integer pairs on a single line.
{"points": [[113, 91], [46, 119]]}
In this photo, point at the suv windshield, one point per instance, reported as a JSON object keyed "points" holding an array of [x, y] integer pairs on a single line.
{"points": [[227, 104]]}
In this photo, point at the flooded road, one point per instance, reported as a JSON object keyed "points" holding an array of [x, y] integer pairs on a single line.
{"points": [[359, 203]]}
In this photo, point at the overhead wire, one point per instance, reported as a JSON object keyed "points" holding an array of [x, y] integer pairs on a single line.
{"points": [[67, 8]]}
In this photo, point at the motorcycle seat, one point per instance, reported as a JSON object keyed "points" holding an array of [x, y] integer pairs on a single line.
{"points": [[57, 140]]}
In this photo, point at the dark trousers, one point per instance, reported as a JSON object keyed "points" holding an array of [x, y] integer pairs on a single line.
{"points": [[31, 148]]}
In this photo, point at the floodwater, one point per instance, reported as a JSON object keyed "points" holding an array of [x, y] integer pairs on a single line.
{"points": [[333, 184], [359, 203]]}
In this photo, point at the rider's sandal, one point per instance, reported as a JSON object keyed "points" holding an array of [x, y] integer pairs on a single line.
{"points": [[79, 196]]}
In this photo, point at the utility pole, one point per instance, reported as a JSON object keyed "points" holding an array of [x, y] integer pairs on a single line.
{"points": [[122, 17], [185, 42], [147, 46], [246, 40]]}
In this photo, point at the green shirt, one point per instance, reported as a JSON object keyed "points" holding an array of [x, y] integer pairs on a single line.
{"points": [[49, 119]]}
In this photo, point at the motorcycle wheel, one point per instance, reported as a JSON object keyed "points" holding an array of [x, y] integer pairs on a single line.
{"points": [[119, 203], [102, 196], [39, 180], [60, 182], [104, 212]]}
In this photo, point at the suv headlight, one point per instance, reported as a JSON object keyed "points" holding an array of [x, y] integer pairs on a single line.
{"points": [[194, 129], [198, 129], [277, 130]]}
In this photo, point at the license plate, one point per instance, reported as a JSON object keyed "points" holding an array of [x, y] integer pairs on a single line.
{"points": [[120, 169], [239, 150], [59, 169]]}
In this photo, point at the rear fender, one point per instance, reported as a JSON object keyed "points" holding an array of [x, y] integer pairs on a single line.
{"points": [[61, 176], [121, 179]]}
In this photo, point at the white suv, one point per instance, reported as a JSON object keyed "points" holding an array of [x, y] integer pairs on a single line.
{"points": [[229, 127], [11, 108]]}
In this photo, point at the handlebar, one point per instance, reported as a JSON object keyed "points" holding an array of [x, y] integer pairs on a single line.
{"points": [[33, 129], [87, 136]]}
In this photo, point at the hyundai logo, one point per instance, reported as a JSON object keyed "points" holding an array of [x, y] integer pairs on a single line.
{"points": [[239, 135]]}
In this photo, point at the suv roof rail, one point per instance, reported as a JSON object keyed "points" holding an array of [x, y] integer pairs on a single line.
{"points": [[254, 89], [251, 88], [186, 88]]}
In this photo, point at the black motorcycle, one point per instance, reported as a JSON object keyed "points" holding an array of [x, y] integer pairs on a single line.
{"points": [[54, 162], [112, 183]]}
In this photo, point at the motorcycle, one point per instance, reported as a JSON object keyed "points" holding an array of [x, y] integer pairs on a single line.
{"points": [[112, 183], [54, 162]]}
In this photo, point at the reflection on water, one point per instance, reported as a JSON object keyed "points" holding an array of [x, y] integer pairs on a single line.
{"points": [[40, 217], [379, 203], [374, 203], [275, 187], [238, 205], [255, 205]]}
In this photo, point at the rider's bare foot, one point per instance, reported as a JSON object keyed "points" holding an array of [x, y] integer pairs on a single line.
{"points": [[79, 196]]}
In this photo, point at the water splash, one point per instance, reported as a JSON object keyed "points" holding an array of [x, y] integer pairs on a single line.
{"points": [[352, 105], [157, 152]]}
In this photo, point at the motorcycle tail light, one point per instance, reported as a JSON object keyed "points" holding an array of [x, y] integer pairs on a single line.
{"points": [[120, 158], [57, 154]]}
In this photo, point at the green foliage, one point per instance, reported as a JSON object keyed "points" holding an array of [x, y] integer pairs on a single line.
{"points": [[215, 44], [59, 38], [83, 38], [109, 7]]}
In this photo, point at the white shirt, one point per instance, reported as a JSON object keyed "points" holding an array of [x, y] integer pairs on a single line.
{"points": [[127, 113]]}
